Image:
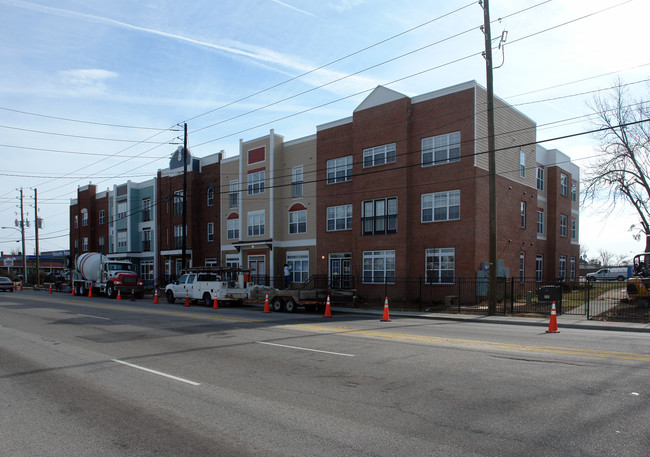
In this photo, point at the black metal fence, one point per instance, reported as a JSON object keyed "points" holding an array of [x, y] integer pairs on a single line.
{"points": [[606, 300]]}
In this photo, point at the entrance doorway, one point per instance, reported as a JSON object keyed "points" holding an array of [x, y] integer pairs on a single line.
{"points": [[340, 271]]}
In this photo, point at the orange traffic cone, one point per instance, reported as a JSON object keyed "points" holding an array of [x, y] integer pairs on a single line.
{"points": [[155, 297], [215, 304], [90, 292], [187, 299], [328, 309], [119, 295], [266, 304], [50, 289], [552, 325], [73, 294], [385, 317], [15, 287], [21, 286]]}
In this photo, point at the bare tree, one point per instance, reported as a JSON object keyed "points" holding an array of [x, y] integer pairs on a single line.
{"points": [[621, 259], [605, 257], [621, 173]]}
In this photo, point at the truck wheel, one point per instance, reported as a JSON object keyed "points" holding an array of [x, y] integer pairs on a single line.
{"points": [[290, 306], [277, 304], [170, 297], [207, 299], [110, 292], [621, 278]]}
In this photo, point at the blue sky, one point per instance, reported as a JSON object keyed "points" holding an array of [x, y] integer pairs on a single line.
{"points": [[152, 64]]}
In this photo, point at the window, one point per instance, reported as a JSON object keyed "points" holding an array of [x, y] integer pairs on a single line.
{"points": [[574, 192], [101, 216], [178, 203], [379, 155], [210, 196], [441, 206], [563, 184], [440, 265], [539, 268], [76, 244], [84, 217], [121, 238], [339, 170], [563, 225], [234, 194], [339, 218], [379, 216], [540, 221], [232, 227], [121, 210], [76, 221], [572, 269], [146, 240], [146, 209], [522, 266], [256, 223], [562, 270], [522, 211], [256, 182], [379, 267], [522, 163], [297, 219], [101, 243], [573, 229], [441, 149], [146, 270], [211, 262], [299, 265], [540, 178], [210, 232], [178, 236], [296, 182], [84, 243]]}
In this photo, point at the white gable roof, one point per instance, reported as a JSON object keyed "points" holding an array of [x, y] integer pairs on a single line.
{"points": [[379, 96]]}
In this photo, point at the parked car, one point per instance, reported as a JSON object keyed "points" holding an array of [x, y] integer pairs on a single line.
{"points": [[616, 273], [6, 284]]}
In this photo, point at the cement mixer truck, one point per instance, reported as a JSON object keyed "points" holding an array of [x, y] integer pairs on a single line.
{"points": [[96, 272]]}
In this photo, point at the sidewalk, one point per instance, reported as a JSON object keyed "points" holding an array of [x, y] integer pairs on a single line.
{"points": [[563, 321]]}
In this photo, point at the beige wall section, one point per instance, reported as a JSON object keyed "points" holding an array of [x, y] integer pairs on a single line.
{"points": [[298, 153], [512, 129]]}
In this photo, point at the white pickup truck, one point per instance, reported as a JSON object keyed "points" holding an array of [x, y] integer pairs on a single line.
{"points": [[206, 284]]}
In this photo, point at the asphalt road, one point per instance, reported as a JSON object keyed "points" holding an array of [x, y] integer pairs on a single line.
{"points": [[98, 377]]}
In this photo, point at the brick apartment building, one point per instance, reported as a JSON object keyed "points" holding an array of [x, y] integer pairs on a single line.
{"points": [[397, 190]]}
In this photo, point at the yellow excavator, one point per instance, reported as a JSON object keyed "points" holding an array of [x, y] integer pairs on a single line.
{"points": [[638, 285]]}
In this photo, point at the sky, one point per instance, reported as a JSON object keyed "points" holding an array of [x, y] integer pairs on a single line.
{"points": [[95, 91]]}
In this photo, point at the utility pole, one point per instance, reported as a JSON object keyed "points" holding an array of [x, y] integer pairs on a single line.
{"points": [[36, 227], [22, 233], [184, 229], [492, 241]]}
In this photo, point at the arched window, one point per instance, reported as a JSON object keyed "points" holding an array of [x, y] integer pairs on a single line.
{"points": [[210, 194], [232, 226], [297, 218]]}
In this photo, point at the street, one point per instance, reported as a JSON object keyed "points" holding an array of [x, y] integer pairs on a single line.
{"points": [[97, 377]]}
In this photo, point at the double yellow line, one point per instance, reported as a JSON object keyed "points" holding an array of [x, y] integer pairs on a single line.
{"points": [[479, 344]]}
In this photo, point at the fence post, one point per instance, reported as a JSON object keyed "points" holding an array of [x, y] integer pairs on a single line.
{"points": [[512, 294], [459, 296], [420, 287], [588, 298]]}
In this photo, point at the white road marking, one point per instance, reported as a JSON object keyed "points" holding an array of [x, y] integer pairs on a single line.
{"points": [[159, 373], [94, 317], [306, 349]]}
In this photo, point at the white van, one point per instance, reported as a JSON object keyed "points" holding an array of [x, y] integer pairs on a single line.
{"points": [[614, 273]]}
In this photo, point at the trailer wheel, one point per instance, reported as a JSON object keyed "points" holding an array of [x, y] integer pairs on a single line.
{"points": [[170, 297], [277, 304], [290, 306], [207, 299]]}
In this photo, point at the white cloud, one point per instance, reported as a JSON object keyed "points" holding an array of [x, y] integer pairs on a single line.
{"points": [[87, 79]]}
